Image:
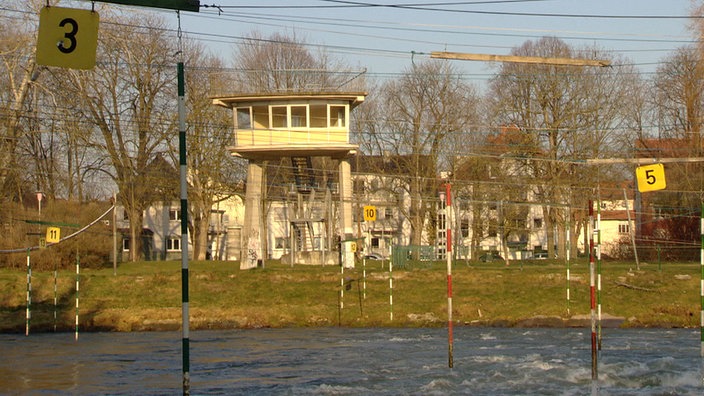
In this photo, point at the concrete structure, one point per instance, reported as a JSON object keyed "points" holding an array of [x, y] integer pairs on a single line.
{"points": [[296, 126]]}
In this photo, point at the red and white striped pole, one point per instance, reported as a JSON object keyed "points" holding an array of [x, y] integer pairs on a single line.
{"points": [[592, 291], [448, 255]]}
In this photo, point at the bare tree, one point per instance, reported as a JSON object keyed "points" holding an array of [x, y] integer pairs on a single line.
{"points": [[418, 117], [20, 72], [130, 99], [569, 113], [678, 88], [283, 63], [213, 172]]}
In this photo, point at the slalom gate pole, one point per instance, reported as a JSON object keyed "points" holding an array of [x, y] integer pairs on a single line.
{"points": [[701, 282], [598, 270], [55, 294], [592, 295], [448, 254], [567, 260], [78, 284], [364, 277], [342, 279], [391, 289], [28, 312], [185, 313], [359, 296]]}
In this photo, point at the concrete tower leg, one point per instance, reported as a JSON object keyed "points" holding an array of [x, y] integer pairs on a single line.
{"points": [[346, 226], [252, 253]]}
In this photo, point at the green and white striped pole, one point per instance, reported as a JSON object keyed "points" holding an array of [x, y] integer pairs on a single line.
{"points": [[364, 277], [56, 299], [391, 290], [185, 340], [78, 288], [701, 283], [567, 260]]}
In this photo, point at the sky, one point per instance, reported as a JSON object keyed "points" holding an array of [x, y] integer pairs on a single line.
{"points": [[384, 37], [387, 37]]}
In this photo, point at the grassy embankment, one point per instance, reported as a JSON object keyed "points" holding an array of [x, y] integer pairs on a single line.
{"points": [[147, 296]]}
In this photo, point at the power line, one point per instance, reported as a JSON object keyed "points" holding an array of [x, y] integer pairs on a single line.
{"points": [[425, 7]]}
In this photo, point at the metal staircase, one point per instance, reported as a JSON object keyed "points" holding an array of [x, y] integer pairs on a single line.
{"points": [[303, 174]]}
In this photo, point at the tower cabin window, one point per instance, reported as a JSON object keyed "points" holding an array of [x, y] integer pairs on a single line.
{"points": [[261, 117], [318, 116], [299, 116], [337, 117], [278, 117], [244, 118], [291, 116]]}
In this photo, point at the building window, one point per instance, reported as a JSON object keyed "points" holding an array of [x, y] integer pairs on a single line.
{"points": [[125, 245], [359, 185], [375, 185], [388, 213], [623, 228], [244, 118], [173, 244], [279, 117], [281, 243], [375, 242], [318, 116], [441, 222], [261, 117], [299, 117], [464, 228], [174, 214], [125, 215], [537, 223], [337, 117]]}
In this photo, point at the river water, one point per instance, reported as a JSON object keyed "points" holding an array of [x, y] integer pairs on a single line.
{"points": [[342, 361]]}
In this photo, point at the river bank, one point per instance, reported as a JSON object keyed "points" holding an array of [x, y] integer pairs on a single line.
{"points": [[147, 296]]}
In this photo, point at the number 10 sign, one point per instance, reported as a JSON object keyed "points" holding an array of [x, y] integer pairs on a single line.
{"points": [[651, 177], [67, 37]]}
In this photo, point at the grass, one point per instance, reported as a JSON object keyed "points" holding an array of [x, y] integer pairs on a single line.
{"points": [[147, 295]]}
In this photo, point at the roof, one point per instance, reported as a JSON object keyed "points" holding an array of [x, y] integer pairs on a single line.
{"points": [[354, 98]]}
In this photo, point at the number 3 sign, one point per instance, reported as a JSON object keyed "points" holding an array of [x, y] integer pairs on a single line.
{"points": [[67, 38], [651, 177]]}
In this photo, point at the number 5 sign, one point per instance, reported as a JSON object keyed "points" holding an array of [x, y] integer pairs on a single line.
{"points": [[651, 177], [67, 37]]}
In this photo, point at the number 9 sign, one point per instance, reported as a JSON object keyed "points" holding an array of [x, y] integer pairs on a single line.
{"points": [[651, 177], [67, 37]]}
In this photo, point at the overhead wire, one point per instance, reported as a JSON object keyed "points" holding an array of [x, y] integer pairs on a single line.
{"points": [[393, 53]]}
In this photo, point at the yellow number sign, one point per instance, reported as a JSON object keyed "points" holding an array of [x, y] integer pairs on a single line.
{"points": [[651, 177], [370, 213], [67, 37], [53, 234]]}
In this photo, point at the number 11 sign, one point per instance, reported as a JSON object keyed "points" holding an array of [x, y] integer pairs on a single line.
{"points": [[651, 177], [67, 38]]}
